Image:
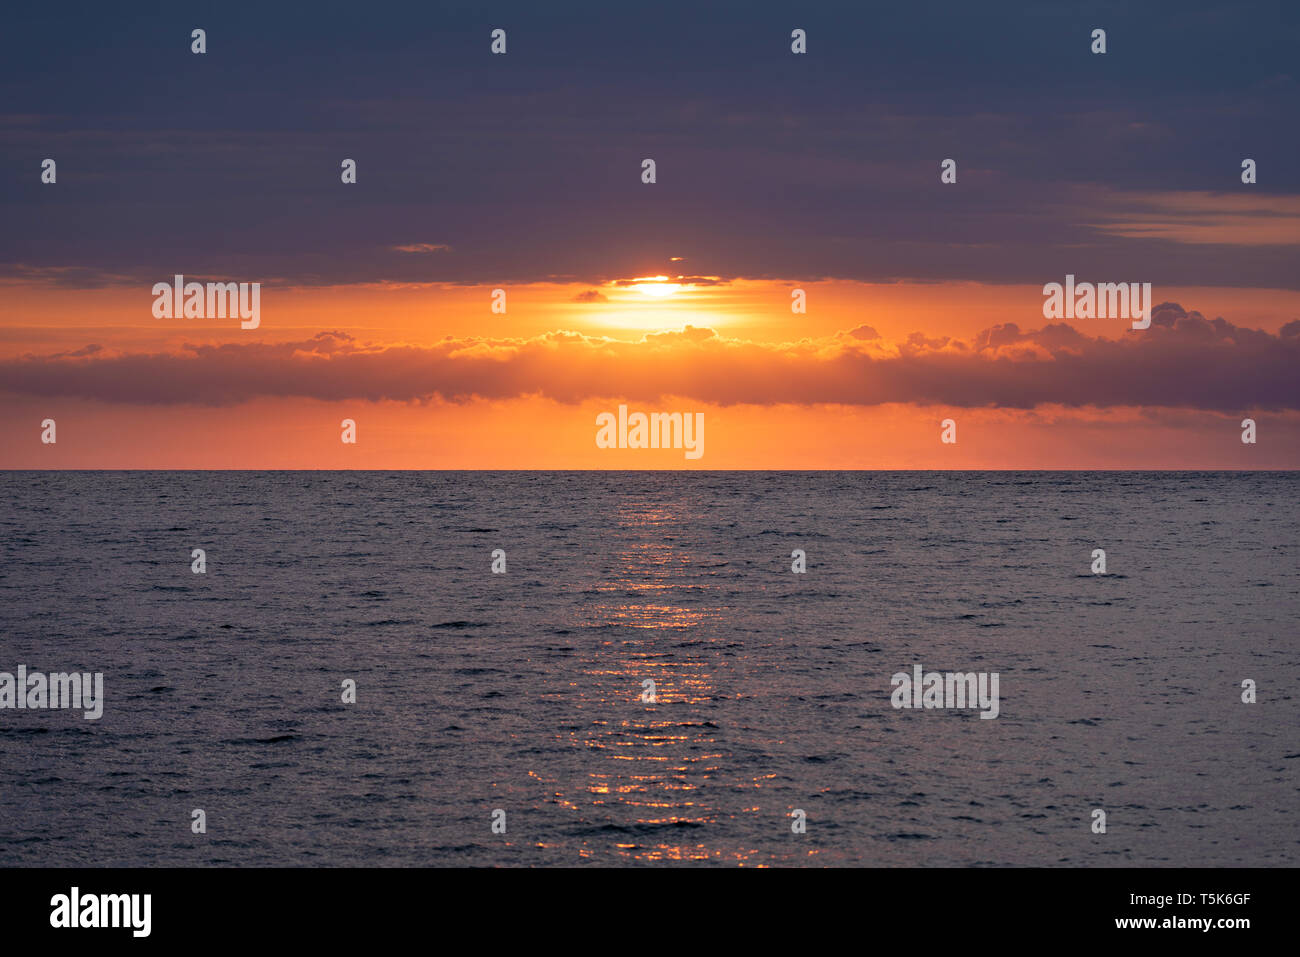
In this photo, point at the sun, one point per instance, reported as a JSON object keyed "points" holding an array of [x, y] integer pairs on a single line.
{"points": [[656, 286]]}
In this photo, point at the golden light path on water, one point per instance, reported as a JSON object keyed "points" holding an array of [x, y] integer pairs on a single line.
{"points": [[649, 762]]}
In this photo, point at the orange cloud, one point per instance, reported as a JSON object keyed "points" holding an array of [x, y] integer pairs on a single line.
{"points": [[1182, 361]]}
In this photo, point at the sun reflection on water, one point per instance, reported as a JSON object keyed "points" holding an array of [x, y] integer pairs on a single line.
{"points": [[653, 616]]}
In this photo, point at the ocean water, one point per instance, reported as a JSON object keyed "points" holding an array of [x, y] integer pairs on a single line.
{"points": [[521, 691]]}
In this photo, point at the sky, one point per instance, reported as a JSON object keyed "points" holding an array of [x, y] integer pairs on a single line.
{"points": [[775, 172]]}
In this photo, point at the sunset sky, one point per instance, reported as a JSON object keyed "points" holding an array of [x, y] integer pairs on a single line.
{"points": [[774, 172]]}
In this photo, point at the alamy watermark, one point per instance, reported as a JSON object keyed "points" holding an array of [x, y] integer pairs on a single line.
{"points": [[36, 691], [179, 299], [75, 909], [950, 689], [1106, 300], [654, 430]]}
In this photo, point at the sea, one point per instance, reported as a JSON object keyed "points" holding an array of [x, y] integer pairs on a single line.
{"points": [[349, 682]]}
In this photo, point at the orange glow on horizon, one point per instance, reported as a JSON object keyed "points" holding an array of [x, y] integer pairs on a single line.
{"points": [[752, 317]]}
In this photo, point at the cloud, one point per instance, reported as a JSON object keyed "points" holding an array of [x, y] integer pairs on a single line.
{"points": [[1204, 218], [71, 277], [863, 332], [1183, 361], [680, 280], [423, 248], [591, 295], [527, 179]]}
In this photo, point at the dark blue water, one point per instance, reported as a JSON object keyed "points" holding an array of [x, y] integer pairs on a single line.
{"points": [[521, 691]]}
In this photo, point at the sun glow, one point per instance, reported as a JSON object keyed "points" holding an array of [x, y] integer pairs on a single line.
{"points": [[656, 286]]}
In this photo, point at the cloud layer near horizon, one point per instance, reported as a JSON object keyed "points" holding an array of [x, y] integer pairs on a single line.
{"points": [[1184, 360]]}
